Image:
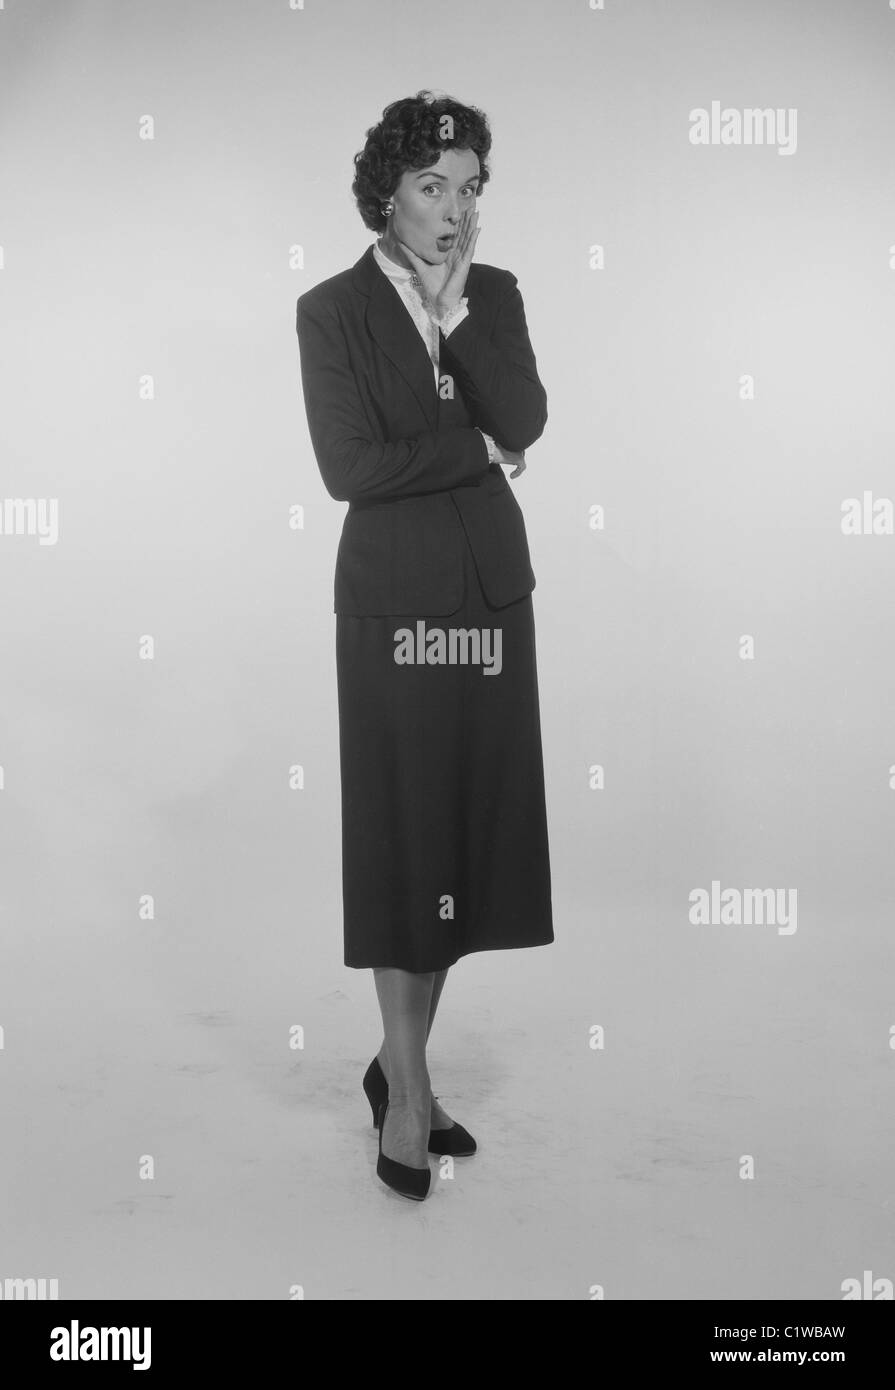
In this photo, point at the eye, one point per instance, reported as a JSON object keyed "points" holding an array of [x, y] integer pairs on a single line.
{"points": [[469, 190]]}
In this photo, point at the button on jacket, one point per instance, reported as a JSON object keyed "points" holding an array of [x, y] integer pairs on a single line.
{"points": [[409, 458]]}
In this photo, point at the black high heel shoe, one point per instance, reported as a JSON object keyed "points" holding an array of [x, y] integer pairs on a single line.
{"points": [[456, 1141], [409, 1182]]}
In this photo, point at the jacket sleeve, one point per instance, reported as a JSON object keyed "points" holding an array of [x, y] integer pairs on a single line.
{"points": [[354, 466], [500, 375]]}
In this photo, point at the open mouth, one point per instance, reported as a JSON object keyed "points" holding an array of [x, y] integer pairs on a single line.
{"points": [[445, 241]]}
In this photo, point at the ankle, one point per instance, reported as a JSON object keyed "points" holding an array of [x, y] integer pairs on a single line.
{"points": [[411, 1097]]}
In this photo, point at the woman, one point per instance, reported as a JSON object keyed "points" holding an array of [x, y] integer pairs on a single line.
{"points": [[419, 383]]}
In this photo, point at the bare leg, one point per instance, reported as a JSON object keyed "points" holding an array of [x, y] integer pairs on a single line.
{"points": [[405, 998], [438, 1118], [437, 986]]}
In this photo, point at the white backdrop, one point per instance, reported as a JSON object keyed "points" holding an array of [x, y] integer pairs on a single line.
{"points": [[713, 324]]}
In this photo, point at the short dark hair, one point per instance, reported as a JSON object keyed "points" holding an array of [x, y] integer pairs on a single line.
{"points": [[409, 137]]}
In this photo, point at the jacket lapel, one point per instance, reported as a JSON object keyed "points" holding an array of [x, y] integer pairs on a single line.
{"points": [[394, 330]]}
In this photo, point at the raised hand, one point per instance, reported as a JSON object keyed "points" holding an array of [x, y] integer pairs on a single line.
{"points": [[443, 284]]}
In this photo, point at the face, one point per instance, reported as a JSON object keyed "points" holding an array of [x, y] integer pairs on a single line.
{"points": [[429, 204]]}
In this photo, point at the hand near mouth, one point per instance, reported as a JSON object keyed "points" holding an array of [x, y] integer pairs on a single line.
{"points": [[443, 284]]}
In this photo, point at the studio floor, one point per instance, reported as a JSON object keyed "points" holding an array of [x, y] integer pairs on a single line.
{"points": [[609, 1171]]}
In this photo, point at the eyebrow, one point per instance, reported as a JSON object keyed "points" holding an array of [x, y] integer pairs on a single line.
{"points": [[430, 173]]}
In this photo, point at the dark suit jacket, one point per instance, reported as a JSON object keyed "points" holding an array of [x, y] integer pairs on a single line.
{"points": [[411, 465]]}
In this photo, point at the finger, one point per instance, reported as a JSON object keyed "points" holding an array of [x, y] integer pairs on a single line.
{"points": [[466, 258], [460, 237], [468, 230], [466, 241], [464, 229], [474, 230]]}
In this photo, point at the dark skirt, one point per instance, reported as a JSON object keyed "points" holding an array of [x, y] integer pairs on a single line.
{"points": [[444, 824]]}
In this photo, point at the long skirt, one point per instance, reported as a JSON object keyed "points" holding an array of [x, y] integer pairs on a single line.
{"points": [[444, 824]]}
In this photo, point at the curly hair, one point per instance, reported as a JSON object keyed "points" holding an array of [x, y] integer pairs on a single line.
{"points": [[409, 137]]}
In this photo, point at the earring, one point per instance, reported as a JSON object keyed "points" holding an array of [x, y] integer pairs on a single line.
{"points": [[386, 209]]}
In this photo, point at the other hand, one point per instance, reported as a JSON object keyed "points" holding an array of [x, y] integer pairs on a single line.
{"points": [[509, 458]]}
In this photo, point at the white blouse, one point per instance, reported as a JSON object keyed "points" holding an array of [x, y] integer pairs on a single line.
{"points": [[407, 284]]}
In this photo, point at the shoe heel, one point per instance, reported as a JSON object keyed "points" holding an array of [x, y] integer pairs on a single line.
{"points": [[375, 1089]]}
